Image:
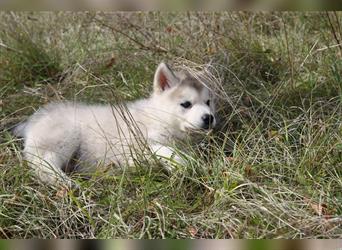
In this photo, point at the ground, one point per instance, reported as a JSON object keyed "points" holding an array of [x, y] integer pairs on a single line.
{"points": [[271, 169]]}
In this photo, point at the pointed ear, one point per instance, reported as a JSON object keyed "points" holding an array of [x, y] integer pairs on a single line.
{"points": [[164, 78]]}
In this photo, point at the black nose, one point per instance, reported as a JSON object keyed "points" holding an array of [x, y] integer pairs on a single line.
{"points": [[207, 120]]}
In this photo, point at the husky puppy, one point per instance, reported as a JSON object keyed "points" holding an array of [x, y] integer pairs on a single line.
{"points": [[99, 135]]}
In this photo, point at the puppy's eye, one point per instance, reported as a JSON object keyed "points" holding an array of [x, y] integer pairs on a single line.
{"points": [[208, 102], [186, 104]]}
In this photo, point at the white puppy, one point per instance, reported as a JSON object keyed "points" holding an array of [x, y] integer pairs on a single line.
{"points": [[98, 135]]}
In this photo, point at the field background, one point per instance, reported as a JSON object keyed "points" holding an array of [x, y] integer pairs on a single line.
{"points": [[272, 169]]}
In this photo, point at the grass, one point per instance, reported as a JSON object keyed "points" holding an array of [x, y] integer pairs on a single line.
{"points": [[272, 169]]}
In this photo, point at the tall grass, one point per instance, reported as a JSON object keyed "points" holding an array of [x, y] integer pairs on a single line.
{"points": [[272, 168]]}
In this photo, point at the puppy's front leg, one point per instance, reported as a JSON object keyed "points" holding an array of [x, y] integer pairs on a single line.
{"points": [[167, 155]]}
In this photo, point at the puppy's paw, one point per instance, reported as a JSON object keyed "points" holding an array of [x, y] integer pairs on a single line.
{"points": [[169, 158], [176, 159], [172, 163]]}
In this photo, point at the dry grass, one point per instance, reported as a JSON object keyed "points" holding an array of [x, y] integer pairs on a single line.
{"points": [[271, 170]]}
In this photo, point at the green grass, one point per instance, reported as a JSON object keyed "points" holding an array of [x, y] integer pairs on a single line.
{"points": [[273, 160]]}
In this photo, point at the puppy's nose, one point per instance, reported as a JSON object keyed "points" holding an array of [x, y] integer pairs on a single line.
{"points": [[207, 120]]}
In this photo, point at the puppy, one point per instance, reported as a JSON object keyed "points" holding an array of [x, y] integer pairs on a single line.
{"points": [[98, 135]]}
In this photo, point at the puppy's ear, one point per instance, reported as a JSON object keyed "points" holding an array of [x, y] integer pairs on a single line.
{"points": [[164, 78]]}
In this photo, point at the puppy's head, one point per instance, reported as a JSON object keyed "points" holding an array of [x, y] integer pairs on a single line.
{"points": [[186, 102]]}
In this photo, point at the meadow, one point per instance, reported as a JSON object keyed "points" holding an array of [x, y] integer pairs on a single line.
{"points": [[272, 167]]}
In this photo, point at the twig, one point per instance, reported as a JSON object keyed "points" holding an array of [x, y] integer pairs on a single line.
{"points": [[338, 24], [328, 47], [333, 31], [310, 52], [9, 48]]}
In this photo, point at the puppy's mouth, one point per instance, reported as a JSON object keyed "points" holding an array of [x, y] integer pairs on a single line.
{"points": [[203, 128], [207, 127], [199, 130]]}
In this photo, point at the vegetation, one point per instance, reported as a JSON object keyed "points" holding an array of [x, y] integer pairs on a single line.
{"points": [[272, 168]]}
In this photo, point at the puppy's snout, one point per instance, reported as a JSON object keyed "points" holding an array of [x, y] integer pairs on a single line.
{"points": [[207, 120]]}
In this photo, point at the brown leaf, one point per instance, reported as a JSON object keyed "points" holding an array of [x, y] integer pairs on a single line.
{"points": [[211, 50], [320, 209], [192, 231], [248, 170], [62, 193], [225, 174], [111, 62], [169, 29]]}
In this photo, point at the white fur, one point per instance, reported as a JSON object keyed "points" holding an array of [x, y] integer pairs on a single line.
{"points": [[104, 134]]}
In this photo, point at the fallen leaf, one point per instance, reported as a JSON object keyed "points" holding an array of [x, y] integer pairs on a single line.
{"points": [[211, 50], [248, 170], [111, 62], [192, 231], [321, 209], [62, 193], [169, 29], [225, 174]]}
